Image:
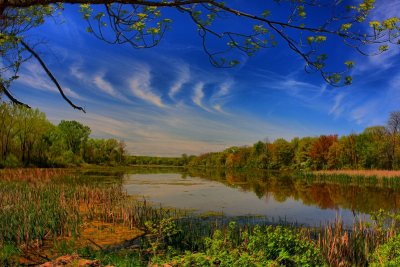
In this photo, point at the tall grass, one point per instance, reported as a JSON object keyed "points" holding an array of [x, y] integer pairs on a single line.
{"points": [[38, 205], [364, 173], [351, 247]]}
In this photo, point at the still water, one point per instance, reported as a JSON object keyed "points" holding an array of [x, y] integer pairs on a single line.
{"points": [[278, 197]]}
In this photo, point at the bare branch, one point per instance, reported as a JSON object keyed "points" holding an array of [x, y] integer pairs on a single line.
{"points": [[11, 97], [53, 79]]}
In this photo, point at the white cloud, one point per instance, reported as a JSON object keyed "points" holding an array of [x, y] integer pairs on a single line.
{"points": [[141, 87], [219, 98], [224, 89], [337, 107], [33, 76], [198, 96], [104, 85], [76, 72], [183, 77]]}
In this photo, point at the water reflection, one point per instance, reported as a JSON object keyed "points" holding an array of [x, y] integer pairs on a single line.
{"points": [[359, 196], [275, 195]]}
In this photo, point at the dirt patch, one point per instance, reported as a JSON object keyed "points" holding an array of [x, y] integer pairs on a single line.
{"points": [[72, 261], [103, 235], [97, 235]]}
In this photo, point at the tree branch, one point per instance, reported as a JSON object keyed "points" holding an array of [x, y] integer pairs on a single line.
{"points": [[53, 79], [27, 3], [13, 99]]}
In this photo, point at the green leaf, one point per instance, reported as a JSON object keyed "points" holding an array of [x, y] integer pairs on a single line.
{"points": [[349, 64], [383, 48], [320, 38], [345, 26], [348, 80], [266, 13]]}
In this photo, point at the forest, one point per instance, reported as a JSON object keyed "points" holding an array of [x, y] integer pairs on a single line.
{"points": [[376, 147], [27, 138]]}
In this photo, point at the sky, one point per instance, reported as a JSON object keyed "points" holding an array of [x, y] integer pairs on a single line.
{"points": [[169, 100]]}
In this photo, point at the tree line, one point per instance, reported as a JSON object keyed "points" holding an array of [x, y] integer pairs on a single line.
{"points": [[376, 147], [27, 138]]}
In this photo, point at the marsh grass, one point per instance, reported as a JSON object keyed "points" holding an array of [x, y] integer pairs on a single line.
{"points": [[350, 247], [54, 206], [363, 173], [376, 178]]}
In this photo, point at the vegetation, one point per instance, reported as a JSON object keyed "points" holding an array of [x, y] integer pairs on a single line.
{"points": [[375, 148], [261, 246], [27, 138], [47, 213], [387, 254]]}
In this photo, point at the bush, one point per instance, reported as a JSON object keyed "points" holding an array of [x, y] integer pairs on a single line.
{"points": [[11, 161], [268, 246], [9, 254], [387, 254]]}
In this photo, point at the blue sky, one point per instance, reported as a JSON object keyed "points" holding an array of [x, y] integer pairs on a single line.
{"points": [[169, 100]]}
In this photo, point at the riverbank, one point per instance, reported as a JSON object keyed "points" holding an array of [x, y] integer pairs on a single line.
{"points": [[48, 213]]}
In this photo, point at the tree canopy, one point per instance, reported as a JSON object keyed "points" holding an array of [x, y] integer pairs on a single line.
{"points": [[305, 26]]}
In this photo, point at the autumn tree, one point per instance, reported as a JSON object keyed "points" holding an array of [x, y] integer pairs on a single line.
{"points": [[319, 152], [143, 24]]}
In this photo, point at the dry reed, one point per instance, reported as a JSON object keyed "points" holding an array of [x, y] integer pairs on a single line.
{"points": [[366, 173]]}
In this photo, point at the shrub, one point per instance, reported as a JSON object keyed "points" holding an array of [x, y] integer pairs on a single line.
{"points": [[11, 161], [387, 254], [262, 246]]}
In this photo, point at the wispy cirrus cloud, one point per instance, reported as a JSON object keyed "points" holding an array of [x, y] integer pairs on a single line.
{"points": [[198, 96], [31, 77], [337, 107], [140, 86], [219, 98], [96, 79], [104, 85], [183, 77], [224, 89]]}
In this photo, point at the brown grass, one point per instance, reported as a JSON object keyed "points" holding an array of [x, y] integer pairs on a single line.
{"points": [[367, 173], [31, 175], [351, 247]]}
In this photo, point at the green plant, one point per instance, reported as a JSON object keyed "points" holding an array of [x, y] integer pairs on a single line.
{"points": [[261, 246], [9, 254], [387, 254]]}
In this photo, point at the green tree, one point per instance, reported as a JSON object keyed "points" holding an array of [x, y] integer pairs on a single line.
{"points": [[74, 134], [282, 153], [143, 24], [31, 125], [7, 129], [302, 153]]}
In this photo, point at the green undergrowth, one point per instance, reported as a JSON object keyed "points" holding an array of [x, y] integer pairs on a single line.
{"points": [[258, 246], [387, 254]]}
